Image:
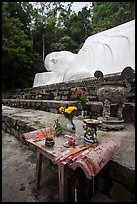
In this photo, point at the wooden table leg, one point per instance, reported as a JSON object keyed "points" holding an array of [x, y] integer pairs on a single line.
{"points": [[61, 173], [38, 169]]}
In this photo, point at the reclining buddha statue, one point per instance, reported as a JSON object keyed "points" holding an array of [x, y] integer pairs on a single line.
{"points": [[108, 51]]}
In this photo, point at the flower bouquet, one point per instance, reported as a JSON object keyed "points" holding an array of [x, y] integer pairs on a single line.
{"points": [[81, 97], [69, 113]]}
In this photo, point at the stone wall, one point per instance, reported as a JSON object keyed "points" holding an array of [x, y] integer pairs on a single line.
{"points": [[114, 181], [51, 97], [62, 91], [15, 127], [117, 182]]}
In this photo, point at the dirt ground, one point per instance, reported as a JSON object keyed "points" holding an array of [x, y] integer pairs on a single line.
{"points": [[18, 174]]}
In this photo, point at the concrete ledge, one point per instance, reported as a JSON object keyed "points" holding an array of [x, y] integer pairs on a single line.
{"points": [[51, 105], [25, 120], [95, 107], [46, 105]]}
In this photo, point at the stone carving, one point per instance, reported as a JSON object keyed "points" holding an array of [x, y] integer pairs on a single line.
{"points": [[108, 51], [113, 92]]}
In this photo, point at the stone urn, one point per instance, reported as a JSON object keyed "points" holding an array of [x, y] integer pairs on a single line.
{"points": [[113, 91]]}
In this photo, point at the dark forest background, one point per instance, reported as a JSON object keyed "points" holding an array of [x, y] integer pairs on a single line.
{"points": [[30, 32]]}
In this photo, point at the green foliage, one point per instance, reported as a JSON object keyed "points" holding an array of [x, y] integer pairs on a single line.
{"points": [[107, 15], [79, 27], [59, 128], [18, 60], [83, 101], [65, 43], [57, 47]]}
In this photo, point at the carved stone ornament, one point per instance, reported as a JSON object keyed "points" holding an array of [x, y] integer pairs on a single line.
{"points": [[113, 92]]}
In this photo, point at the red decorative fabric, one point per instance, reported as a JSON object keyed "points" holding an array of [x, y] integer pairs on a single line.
{"points": [[95, 160]]}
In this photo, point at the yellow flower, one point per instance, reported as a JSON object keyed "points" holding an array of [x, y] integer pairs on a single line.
{"points": [[62, 110], [68, 112], [70, 109]]}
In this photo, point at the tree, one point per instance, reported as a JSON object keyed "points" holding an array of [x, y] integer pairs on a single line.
{"points": [[50, 27], [65, 43], [16, 52], [106, 15], [78, 26]]}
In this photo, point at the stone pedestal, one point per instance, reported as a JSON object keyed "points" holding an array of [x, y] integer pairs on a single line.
{"points": [[112, 124], [46, 78]]}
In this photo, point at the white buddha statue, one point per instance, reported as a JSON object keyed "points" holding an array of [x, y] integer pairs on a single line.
{"points": [[60, 67], [108, 51]]}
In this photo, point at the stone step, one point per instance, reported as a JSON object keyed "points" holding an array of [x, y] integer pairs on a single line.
{"points": [[118, 176], [94, 107], [45, 105], [51, 105]]}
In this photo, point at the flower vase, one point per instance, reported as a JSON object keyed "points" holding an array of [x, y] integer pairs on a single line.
{"points": [[71, 126], [83, 113]]}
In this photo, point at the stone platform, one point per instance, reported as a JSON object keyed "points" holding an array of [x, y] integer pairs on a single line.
{"points": [[116, 179]]}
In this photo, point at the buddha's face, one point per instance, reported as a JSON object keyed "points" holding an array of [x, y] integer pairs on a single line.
{"points": [[58, 61], [53, 61]]}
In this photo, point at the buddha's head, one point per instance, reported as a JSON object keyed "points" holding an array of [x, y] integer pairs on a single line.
{"points": [[59, 61]]}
